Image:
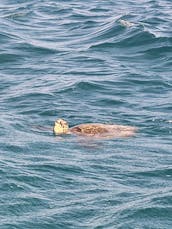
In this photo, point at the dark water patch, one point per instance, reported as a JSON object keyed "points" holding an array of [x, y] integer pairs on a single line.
{"points": [[20, 16], [13, 148], [164, 172], [87, 60], [57, 168], [84, 87], [88, 86], [110, 102], [32, 95], [23, 205], [33, 180], [130, 39], [159, 52], [36, 49], [24, 103], [6, 37], [12, 186], [7, 58], [152, 214], [135, 39], [163, 200]]}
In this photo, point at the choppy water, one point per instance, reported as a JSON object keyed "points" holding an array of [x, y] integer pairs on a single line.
{"points": [[78, 60]]}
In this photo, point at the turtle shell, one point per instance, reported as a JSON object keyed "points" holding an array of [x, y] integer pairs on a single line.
{"points": [[89, 129]]}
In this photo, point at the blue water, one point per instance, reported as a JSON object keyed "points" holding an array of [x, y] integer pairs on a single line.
{"points": [[85, 61]]}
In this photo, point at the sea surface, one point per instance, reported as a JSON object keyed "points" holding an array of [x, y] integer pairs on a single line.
{"points": [[85, 61]]}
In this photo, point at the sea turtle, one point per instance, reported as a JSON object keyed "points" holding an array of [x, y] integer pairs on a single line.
{"points": [[96, 130]]}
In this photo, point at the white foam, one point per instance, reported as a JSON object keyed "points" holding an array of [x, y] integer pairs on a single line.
{"points": [[126, 23]]}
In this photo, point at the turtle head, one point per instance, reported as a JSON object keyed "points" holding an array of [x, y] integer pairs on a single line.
{"points": [[60, 127]]}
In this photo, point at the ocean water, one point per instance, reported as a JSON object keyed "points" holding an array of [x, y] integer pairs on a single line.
{"points": [[85, 61]]}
